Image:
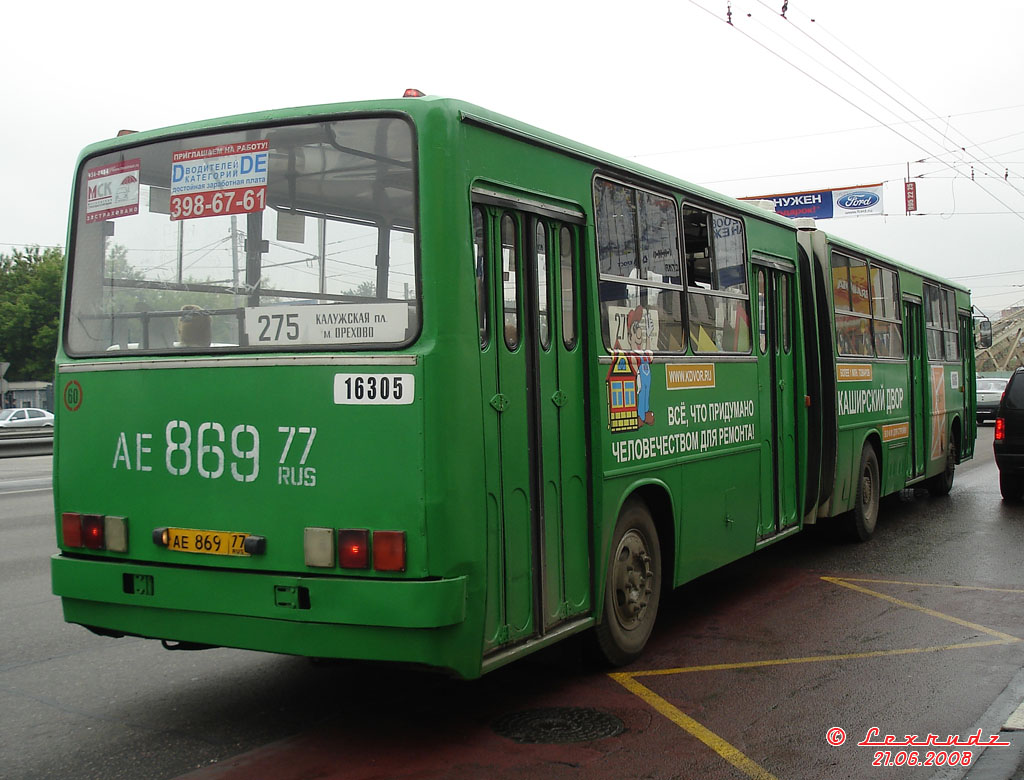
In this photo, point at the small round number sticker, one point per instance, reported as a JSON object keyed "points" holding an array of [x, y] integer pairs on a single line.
{"points": [[72, 396]]}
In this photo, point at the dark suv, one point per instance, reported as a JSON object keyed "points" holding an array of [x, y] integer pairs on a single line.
{"points": [[1009, 438]]}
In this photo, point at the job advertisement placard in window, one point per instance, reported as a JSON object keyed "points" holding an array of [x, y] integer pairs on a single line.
{"points": [[112, 191], [215, 180]]}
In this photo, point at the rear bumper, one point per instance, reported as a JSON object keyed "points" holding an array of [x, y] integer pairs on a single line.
{"points": [[412, 621], [1009, 461]]}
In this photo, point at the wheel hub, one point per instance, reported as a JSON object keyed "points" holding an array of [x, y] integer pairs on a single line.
{"points": [[633, 576]]}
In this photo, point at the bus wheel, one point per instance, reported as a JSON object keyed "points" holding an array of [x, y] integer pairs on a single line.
{"points": [[633, 586], [864, 515], [941, 484]]}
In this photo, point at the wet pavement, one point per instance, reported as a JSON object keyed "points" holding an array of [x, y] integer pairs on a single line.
{"points": [[772, 667]]}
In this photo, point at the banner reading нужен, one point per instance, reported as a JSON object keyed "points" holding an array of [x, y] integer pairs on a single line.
{"points": [[826, 204]]}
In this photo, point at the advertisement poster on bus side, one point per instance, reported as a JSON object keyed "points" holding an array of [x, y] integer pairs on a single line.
{"points": [[112, 191], [214, 180], [938, 412]]}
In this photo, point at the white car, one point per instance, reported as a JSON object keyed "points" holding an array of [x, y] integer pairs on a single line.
{"points": [[25, 418], [990, 393]]}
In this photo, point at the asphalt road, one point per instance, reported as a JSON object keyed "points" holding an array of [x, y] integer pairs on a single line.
{"points": [[915, 632]]}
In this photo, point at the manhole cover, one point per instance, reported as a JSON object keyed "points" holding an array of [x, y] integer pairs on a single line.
{"points": [[557, 724]]}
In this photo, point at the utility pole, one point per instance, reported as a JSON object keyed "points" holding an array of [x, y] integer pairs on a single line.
{"points": [[3, 383], [234, 257]]}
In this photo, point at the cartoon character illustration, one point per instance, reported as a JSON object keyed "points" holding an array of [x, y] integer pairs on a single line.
{"points": [[636, 331], [621, 383], [641, 360], [629, 379], [643, 396]]}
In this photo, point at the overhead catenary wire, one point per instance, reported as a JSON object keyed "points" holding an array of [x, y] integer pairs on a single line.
{"points": [[879, 121], [816, 80], [801, 136], [961, 147], [851, 69]]}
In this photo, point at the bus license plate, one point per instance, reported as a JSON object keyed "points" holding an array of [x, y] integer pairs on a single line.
{"points": [[192, 540]]}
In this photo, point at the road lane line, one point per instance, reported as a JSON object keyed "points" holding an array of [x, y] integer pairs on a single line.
{"points": [[932, 585], [724, 749], [816, 659], [730, 753], [949, 618]]}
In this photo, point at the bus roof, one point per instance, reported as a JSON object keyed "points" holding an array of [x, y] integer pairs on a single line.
{"points": [[855, 247], [419, 107]]}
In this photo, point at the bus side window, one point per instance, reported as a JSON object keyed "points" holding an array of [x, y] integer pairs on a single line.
{"points": [[933, 321], [762, 313], [509, 282], [568, 289], [480, 272], [787, 341], [851, 300], [886, 312], [640, 268], [697, 240], [718, 298], [540, 258], [949, 326]]}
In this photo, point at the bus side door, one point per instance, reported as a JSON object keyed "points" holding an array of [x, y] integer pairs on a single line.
{"points": [[969, 419], [916, 349], [558, 422], [532, 376], [775, 285]]}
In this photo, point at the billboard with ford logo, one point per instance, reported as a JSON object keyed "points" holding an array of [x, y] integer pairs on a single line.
{"points": [[826, 204]]}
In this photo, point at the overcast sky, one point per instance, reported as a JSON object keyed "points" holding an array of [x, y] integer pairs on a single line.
{"points": [[669, 84]]}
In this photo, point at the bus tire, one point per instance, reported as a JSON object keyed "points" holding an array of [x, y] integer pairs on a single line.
{"points": [[632, 586], [942, 483], [863, 517]]}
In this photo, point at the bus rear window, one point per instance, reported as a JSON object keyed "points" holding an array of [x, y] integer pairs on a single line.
{"points": [[265, 238]]}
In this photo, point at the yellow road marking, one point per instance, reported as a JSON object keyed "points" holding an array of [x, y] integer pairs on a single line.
{"points": [[925, 610], [816, 659], [688, 724], [733, 755], [928, 584]]}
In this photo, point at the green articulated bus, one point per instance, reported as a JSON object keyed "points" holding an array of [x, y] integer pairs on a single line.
{"points": [[408, 380]]}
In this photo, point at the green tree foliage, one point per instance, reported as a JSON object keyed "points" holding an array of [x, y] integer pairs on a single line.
{"points": [[30, 281]]}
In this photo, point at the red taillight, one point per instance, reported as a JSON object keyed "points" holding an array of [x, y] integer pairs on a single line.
{"points": [[413, 93], [71, 529], [355, 551], [1000, 429], [92, 532], [389, 550], [354, 548]]}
